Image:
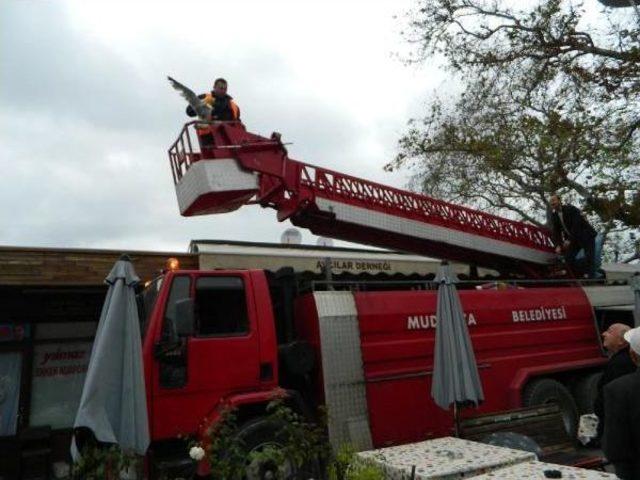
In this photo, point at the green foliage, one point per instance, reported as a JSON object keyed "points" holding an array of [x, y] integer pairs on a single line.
{"points": [[296, 444], [271, 457], [346, 467], [99, 463], [226, 452], [302, 441], [340, 465], [546, 103]]}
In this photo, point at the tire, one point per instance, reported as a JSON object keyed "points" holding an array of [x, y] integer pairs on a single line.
{"points": [[585, 392], [259, 433], [546, 390]]}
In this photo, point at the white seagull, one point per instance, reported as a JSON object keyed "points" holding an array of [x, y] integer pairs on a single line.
{"points": [[199, 106]]}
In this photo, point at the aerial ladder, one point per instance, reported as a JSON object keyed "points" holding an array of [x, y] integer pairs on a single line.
{"points": [[218, 167]]}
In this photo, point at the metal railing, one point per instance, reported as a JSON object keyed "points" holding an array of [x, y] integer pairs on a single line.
{"points": [[332, 185], [182, 153], [337, 186]]}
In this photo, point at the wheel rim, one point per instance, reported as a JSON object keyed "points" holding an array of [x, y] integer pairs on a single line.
{"points": [[267, 469]]}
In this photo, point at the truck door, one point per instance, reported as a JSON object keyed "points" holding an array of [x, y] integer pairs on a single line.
{"points": [[221, 357]]}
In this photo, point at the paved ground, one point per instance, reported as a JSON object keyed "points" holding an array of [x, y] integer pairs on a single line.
{"points": [[598, 452]]}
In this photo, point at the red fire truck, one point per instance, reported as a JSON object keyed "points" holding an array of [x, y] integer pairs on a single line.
{"points": [[222, 337]]}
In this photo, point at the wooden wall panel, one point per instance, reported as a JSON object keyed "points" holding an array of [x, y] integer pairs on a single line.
{"points": [[40, 266]]}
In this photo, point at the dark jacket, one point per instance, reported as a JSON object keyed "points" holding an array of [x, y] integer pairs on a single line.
{"points": [[579, 231], [224, 108], [621, 440], [619, 364]]}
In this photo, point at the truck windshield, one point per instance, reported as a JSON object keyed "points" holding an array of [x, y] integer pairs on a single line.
{"points": [[146, 302]]}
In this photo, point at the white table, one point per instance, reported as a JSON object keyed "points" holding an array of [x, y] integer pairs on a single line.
{"points": [[445, 458], [535, 470]]}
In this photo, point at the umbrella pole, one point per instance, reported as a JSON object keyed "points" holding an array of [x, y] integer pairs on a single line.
{"points": [[456, 424]]}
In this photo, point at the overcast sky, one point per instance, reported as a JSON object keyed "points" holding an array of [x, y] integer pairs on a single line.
{"points": [[87, 115]]}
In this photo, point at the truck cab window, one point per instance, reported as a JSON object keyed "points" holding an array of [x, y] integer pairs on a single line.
{"points": [[179, 291], [146, 301], [220, 306]]}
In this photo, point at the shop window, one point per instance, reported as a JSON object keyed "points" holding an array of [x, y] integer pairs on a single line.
{"points": [[14, 332], [59, 371], [65, 330], [221, 306], [10, 369]]}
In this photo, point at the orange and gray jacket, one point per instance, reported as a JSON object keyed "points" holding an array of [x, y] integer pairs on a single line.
{"points": [[224, 108]]}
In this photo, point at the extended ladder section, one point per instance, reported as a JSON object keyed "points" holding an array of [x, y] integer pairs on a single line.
{"points": [[218, 167]]}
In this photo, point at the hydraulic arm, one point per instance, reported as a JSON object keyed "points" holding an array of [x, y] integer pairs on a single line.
{"points": [[219, 167]]}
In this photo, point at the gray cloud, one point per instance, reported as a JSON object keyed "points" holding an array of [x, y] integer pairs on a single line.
{"points": [[50, 69], [84, 132]]}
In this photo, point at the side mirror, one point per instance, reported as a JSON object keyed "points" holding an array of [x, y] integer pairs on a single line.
{"points": [[185, 318]]}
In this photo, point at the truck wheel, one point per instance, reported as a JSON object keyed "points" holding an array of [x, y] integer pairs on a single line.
{"points": [[259, 434], [546, 390], [585, 392]]}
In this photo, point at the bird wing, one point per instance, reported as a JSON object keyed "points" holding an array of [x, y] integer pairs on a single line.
{"points": [[201, 108]]}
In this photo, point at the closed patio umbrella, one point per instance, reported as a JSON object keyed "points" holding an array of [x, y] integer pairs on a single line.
{"points": [[113, 403], [455, 373], [635, 287]]}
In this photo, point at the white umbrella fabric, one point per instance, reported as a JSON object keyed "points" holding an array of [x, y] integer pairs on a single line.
{"points": [[455, 373], [113, 403]]}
